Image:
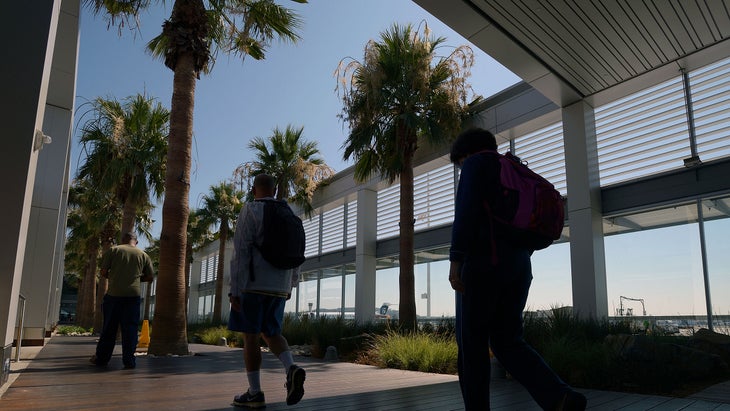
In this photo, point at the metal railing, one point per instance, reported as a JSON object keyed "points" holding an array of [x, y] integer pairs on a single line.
{"points": [[20, 322]]}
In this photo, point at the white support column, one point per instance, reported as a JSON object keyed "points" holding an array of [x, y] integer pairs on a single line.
{"points": [[367, 231], [193, 298], [48, 210], [29, 29], [226, 309], [587, 254]]}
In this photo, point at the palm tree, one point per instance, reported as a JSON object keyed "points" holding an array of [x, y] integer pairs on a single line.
{"points": [[221, 206], [126, 145], [399, 96], [125, 149], [188, 44], [81, 253], [93, 214], [292, 161]]}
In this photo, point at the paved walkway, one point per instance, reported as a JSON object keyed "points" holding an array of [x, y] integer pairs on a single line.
{"points": [[60, 378]]}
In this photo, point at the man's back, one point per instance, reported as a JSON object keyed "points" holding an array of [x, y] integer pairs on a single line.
{"points": [[126, 264], [267, 278]]}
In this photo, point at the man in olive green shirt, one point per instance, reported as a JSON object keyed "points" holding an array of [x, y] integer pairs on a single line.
{"points": [[125, 266]]}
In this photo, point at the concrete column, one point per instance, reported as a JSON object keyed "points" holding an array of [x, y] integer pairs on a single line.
{"points": [[587, 254], [366, 239], [194, 290], [226, 309], [48, 207], [29, 29]]}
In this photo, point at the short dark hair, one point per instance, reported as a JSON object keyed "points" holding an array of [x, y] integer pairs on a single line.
{"points": [[472, 141], [265, 182], [128, 236]]}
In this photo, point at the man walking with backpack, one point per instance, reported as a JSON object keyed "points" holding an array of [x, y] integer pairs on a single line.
{"points": [[491, 273], [259, 290]]}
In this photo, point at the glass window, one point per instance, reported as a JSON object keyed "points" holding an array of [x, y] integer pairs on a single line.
{"points": [[330, 292], [434, 296], [551, 279], [201, 308], [718, 267], [308, 293], [291, 304], [662, 267], [350, 291], [208, 308], [387, 286]]}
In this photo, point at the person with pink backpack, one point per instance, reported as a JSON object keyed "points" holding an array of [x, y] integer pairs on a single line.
{"points": [[502, 214]]}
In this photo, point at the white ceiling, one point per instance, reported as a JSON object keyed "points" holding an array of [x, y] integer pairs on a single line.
{"points": [[589, 49]]}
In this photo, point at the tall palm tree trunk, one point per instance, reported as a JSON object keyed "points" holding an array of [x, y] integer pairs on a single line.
{"points": [[170, 336], [281, 191], [218, 306], [103, 283], [87, 293], [406, 280], [129, 213]]}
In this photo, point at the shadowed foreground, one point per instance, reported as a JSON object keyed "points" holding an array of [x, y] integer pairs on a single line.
{"points": [[60, 378]]}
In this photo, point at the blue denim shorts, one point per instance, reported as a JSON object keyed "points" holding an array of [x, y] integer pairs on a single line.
{"points": [[259, 314]]}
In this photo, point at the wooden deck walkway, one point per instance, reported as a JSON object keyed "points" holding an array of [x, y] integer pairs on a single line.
{"points": [[60, 378]]}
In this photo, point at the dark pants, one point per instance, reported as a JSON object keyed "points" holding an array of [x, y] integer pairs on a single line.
{"points": [[119, 312], [489, 312]]}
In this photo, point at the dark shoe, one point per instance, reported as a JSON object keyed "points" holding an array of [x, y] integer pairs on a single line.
{"points": [[250, 401], [129, 366], [93, 360], [295, 384], [572, 401]]}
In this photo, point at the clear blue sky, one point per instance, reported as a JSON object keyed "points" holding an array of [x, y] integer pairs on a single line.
{"points": [[295, 85], [238, 101]]}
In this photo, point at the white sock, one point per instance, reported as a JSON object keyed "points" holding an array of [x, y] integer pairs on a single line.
{"points": [[286, 359], [254, 382]]}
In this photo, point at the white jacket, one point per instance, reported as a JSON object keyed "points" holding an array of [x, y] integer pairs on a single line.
{"points": [[267, 278]]}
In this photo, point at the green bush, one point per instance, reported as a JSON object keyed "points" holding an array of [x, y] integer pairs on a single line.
{"points": [[207, 333], [417, 351], [72, 330], [576, 348], [213, 335], [349, 337]]}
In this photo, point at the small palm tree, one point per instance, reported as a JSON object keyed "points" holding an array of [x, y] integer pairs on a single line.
{"points": [[292, 161], [400, 96], [92, 214], [220, 206], [190, 40], [126, 144]]}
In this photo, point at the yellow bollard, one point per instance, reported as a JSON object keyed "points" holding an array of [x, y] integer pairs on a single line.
{"points": [[144, 339]]}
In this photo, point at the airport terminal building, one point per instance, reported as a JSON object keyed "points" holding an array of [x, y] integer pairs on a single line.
{"points": [[623, 106]]}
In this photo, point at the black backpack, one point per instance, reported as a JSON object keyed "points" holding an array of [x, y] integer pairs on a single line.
{"points": [[284, 240]]}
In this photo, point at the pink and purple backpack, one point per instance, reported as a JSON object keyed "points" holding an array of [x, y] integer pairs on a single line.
{"points": [[529, 206]]}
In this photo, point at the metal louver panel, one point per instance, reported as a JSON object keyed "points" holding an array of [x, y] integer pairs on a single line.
{"points": [[333, 225], [203, 268], [311, 233], [642, 134], [209, 268], [433, 199], [544, 153], [710, 88], [388, 212], [351, 223]]}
